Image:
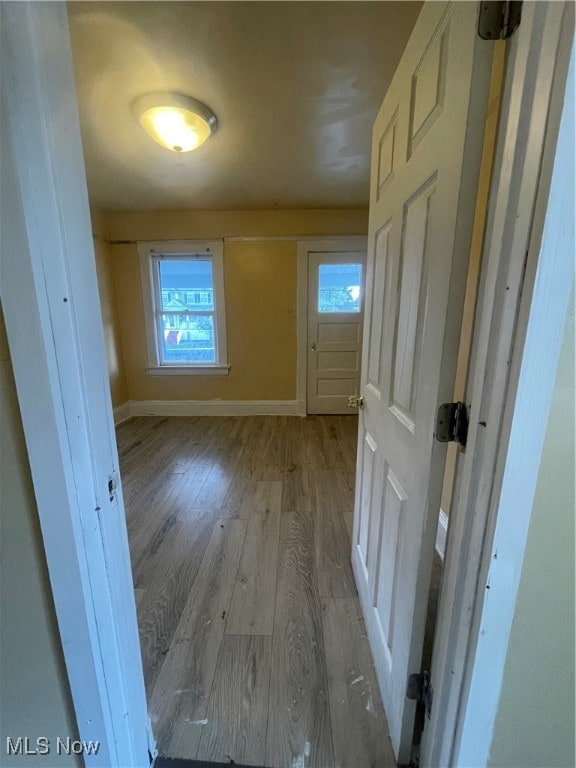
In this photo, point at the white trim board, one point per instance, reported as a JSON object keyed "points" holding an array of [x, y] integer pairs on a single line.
{"points": [[122, 413], [460, 729], [262, 239], [204, 408], [318, 239], [550, 268], [61, 377]]}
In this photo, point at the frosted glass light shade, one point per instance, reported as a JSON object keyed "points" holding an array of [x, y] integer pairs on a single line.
{"points": [[176, 122]]}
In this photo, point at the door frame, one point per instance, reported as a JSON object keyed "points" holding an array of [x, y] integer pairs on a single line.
{"points": [[61, 376], [305, 247], [523, 288], [47, 407]]}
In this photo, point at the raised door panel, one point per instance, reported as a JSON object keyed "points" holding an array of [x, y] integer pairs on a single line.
{"points": [[336, 333], [370, 492], [335, 387], [428, 85], [411, 309], [387, 154], [386, 577], [381, 285], [337, 360]]}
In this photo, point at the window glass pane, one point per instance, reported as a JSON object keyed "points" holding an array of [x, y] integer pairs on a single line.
{"points": [[188, 339], [339, 287], [186, 284]]}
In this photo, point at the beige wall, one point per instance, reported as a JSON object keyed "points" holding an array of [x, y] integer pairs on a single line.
{"points": [[534, 724], [199, 225], [109, 308], [260, 289], [35, 696]]}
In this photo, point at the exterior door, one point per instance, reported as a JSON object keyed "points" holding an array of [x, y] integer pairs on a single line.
{"points": [[425, 159], [335, 319]]}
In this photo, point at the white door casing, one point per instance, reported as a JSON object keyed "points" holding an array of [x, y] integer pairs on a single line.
{"points": [[62, 382], [334, 339], [470, 642], [36, 402], [425, 160]]}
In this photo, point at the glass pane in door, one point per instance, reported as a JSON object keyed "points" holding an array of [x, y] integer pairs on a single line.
{"points": [[339, 287]]}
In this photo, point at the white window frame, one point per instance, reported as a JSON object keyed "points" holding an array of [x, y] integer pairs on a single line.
{"points": [[150, 253]]}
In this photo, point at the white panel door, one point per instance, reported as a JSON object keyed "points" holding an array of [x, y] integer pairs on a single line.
{"points": [[335, 320], [425, 158]]}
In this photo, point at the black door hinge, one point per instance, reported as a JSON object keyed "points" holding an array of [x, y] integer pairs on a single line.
{"points": [[419, 688], [452, 423], [499, 20]]}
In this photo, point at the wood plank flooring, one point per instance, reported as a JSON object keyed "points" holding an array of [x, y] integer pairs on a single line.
{"points": [[253, 645]]}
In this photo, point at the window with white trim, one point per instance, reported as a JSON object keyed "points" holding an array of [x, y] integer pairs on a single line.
{"points": [[183, 290]]}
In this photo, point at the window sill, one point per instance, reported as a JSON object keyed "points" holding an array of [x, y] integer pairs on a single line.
{"points": [[185, 370]]}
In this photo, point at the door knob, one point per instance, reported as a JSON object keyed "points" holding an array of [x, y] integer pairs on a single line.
{"points": [[313, 346], [355, 402]]}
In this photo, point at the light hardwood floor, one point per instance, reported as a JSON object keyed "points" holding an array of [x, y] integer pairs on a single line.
{"points": [[253, 645]]}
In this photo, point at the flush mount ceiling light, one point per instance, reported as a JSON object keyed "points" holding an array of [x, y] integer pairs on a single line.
{"points": [[177, 122]]}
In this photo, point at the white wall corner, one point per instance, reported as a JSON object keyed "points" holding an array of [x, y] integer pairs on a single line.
{"points": [[122, 413]]}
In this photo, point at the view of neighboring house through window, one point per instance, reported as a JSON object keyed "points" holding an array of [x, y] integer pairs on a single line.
{"points": [[183, 290], [185, 311], [339, 287]]}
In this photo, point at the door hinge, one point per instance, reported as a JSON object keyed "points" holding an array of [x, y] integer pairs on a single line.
{"points": [[499, 20], [452, 423], [420, 688]]}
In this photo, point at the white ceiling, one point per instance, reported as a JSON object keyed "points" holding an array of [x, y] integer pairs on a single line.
{"points": [[295, 86]]}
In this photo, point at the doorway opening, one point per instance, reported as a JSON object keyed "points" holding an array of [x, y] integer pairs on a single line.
{"points": [[336, 360], [110, 487]]}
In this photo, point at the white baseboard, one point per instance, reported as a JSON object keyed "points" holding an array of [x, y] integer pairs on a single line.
{"points": [[122, 413], [212, 407], [441, 533]]}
